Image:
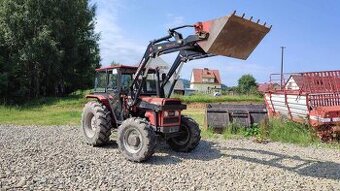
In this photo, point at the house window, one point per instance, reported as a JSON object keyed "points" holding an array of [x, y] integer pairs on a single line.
{"points": [[208, 80]]}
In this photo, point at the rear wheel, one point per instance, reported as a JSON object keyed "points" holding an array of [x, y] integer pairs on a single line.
{"points": [[189, 138], [136, 139], [96, 123]]}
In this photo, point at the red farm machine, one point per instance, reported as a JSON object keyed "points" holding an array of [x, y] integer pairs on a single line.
{"points": [[310, 97], [134, 101]]}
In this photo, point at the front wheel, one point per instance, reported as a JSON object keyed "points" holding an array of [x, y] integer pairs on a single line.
{"points": [[189, 138], [96, 123], [136, 139]]}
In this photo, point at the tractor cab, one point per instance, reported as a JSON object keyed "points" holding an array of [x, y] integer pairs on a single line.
{"points": [[113, 84], [117, 80]]}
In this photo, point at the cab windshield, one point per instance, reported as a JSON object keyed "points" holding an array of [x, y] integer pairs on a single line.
{"points": [[108, 81], [150, 84], [100, 82]]}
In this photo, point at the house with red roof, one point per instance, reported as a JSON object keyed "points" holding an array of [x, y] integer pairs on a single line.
{"points": [[263, 87], [296, 82], [205, 80]]}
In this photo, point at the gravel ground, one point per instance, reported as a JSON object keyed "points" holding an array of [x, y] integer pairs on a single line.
{"points": [[55, 158]]}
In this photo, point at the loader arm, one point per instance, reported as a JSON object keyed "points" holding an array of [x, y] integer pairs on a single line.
{"points": [[231, 36], [171, 43]]}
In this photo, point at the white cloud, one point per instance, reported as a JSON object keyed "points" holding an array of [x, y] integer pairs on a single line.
{"points": [[173, 21], [114, 44]]}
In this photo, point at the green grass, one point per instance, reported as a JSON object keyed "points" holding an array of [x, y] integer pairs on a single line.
{"points": [[46, 111], [237, 131], [209, 134], [291, 132], [274, 130], [67, 110], [200, 98]]}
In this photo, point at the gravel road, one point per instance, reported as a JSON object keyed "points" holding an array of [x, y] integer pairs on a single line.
{"points": [[55, 158]]}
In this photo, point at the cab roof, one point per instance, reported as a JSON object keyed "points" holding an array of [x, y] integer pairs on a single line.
{"points": [[116, 67], [120, 66]]}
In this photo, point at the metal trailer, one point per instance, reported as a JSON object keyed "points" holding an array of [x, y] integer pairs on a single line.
{"points": [[309, 97]]}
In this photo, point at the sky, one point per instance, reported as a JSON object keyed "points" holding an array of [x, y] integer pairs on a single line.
{"points": [[310, 31]]}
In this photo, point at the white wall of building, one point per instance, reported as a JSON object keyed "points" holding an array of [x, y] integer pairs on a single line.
{"points": [[204, 87], [291, 84]]}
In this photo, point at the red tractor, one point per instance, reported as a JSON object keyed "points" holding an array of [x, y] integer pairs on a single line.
{"points": [[134, 100]]}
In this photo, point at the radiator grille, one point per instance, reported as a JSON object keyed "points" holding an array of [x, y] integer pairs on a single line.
{"points": [[171, 120]]}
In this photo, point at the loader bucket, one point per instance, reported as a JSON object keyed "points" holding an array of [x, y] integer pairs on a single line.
{"points": [[231, 36], [218, 116]]}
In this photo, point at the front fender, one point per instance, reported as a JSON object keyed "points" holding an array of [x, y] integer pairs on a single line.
{"points": [[105, 101], [102, 99]]}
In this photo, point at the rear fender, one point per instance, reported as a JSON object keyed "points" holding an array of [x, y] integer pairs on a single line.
{"points": [[105, 101]]}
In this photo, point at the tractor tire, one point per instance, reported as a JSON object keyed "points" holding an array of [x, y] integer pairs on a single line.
{"points": [[136, 139], [190, 138], [96, 124]]}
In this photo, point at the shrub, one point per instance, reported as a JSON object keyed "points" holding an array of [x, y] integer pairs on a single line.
{"points": [[291, 132]]}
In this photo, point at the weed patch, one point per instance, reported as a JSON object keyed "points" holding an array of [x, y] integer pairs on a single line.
{"points": [[291, 132]]}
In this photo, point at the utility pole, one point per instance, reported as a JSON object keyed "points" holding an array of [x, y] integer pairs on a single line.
{"points": [[282, 54]]}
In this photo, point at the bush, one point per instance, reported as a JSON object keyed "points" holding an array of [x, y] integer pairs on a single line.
{"points": [[236, 130], [274, 129], [263, 133], [208, 133], [291, 132]]}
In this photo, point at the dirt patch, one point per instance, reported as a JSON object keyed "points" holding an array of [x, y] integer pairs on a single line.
{"points": [[196, 105]]}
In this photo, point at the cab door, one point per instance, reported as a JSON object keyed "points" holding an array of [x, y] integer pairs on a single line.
{"points": [[113, 89]]}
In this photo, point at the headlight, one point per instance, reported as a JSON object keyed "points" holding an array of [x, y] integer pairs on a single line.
{"points": [[176, 113], [171, 113], [166, 114]]}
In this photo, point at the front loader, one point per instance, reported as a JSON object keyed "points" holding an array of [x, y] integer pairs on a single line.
{"points": [[134, 100]]}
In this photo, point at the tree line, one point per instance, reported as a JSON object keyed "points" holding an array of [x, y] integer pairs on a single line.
{"points": [[47, 48], [246, 85]]}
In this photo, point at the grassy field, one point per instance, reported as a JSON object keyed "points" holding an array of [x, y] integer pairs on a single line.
{"points": [[67, 111], [46, 111]]}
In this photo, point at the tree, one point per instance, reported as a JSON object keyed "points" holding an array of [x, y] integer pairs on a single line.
{"points": [[114, 63], [186, 83], [48, 47], [246, 84]]}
